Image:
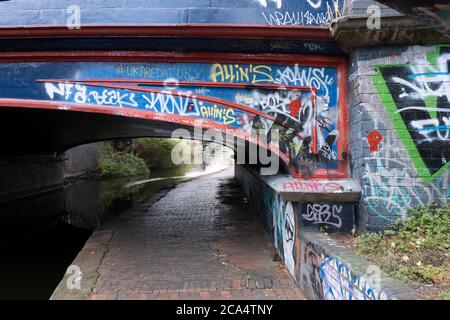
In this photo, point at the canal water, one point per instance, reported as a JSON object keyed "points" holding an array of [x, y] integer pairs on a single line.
{"points": [[41, 236]]}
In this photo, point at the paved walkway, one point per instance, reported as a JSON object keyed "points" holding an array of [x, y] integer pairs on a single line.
{"points": [[199, 240]]}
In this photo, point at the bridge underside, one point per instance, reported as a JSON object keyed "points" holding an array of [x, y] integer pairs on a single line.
{"points": [[38, 131]]}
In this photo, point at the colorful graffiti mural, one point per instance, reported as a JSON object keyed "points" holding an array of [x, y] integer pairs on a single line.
{"points": [[340, 283], [417, 97], [277, 215], [325, 277], [416, 100], [301, 102]]}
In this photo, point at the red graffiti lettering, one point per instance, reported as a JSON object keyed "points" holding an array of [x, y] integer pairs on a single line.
{"points": [[312, 186]]}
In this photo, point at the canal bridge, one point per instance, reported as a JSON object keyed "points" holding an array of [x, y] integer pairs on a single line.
{"points": [[75, 74]]}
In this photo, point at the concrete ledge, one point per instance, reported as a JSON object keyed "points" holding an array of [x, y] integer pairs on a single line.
{"points": [[351, 32], [311, 190]]}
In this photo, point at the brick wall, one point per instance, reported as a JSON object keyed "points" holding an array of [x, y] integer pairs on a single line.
{"points": [[400, 158]]}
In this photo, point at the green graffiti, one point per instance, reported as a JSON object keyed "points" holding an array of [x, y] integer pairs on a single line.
{"points": [[426, 170]]}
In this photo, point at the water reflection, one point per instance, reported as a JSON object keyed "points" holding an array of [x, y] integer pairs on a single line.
{"points": [[89, 204], [41, 236]]}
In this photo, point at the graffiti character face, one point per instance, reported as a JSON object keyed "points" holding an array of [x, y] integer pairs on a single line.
{"points": [[288, 238], [289, 226]]}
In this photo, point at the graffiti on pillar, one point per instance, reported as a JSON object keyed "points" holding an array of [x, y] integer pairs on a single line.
{"points": [[289, 238], [333, 216], [389, 184], [374, 138], [417, 97], [278, 216], [301, 102]]}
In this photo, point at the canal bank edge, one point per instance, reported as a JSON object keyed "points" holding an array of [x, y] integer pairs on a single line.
{"points": [[89, 259], [78, 286]]}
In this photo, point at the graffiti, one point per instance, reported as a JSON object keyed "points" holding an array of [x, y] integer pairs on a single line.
{"points": [[158, 71], [224, 115], [284, 102], [418, 101], [314, 12], [296, 18], [143, 72], [282, 45], [298, 102], [334, 217], [277, 215], [318, 213], [327, 277], [239, 73], [312, 186], [374, 138], [289, 238], [80, 94], [310, 272], [281, 215], [339, 283], [389, 186], [312, 77], [314, 47]]}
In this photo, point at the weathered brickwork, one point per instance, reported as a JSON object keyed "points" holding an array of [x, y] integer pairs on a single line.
{"points": [[199, 240], [399, 129]]}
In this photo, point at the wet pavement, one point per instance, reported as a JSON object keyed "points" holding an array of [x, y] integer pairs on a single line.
{"points": [[198, 240]]}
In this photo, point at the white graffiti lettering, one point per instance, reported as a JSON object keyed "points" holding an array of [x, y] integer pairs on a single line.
{"points": [[324, 214]]}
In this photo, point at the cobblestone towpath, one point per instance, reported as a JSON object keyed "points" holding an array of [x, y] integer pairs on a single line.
{"points": [[198, 240]]}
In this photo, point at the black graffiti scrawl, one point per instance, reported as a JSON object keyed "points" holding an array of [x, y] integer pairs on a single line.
{"points": [[419, 105]]}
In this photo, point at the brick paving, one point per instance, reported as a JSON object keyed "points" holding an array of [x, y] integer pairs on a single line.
{"points": [[200, 240]]}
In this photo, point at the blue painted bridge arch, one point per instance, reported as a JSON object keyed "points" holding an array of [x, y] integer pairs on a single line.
{"points": [[303, 97]]}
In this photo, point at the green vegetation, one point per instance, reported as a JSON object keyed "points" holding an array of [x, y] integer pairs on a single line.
{"points": [[156, 152], [415, 250], [114, 163]]}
